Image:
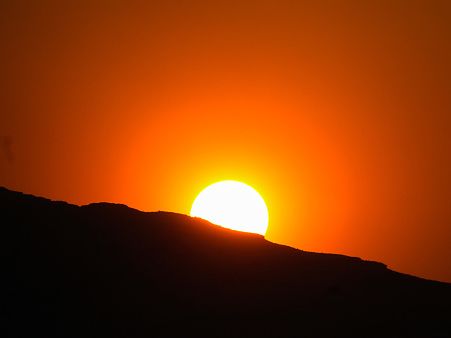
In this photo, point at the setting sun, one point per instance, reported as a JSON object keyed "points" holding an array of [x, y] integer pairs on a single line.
{"points": [[233, 205]]}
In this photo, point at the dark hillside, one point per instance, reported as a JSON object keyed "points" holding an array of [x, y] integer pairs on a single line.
{"points": [[106, 270]]}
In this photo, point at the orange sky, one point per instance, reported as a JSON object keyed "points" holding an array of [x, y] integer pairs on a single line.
{"points": [[337, 112]]}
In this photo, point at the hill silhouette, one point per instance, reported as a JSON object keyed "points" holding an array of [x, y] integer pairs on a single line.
{"points": [[106, 270]]}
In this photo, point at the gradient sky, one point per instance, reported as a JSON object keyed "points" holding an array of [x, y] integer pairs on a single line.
{"points": [[337, 112]]}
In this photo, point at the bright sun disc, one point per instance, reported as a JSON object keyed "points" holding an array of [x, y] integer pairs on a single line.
{"points": [[233, 205]]}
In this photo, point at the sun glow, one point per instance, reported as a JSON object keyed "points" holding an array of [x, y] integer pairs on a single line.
{"points": [[233, 205]]}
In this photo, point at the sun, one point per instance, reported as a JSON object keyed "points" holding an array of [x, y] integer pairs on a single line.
{"points": [[233, 205]]}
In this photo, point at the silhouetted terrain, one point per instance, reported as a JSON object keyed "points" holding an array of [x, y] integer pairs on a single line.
{"points": [[106, 270]]}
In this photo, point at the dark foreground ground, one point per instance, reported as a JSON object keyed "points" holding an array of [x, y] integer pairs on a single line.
{"points": [[105, 270]]}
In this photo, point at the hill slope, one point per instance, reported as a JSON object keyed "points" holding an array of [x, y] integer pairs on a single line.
{"points": [[112, 271]]}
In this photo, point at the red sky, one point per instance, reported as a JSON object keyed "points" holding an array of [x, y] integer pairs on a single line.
{"points": [[337, 112]]}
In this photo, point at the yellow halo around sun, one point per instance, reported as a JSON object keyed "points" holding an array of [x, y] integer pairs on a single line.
{"points": [[233, 205]]}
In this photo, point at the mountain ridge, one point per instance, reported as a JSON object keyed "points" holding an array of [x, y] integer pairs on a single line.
{"points": [[112, 206], [106, 268]]}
